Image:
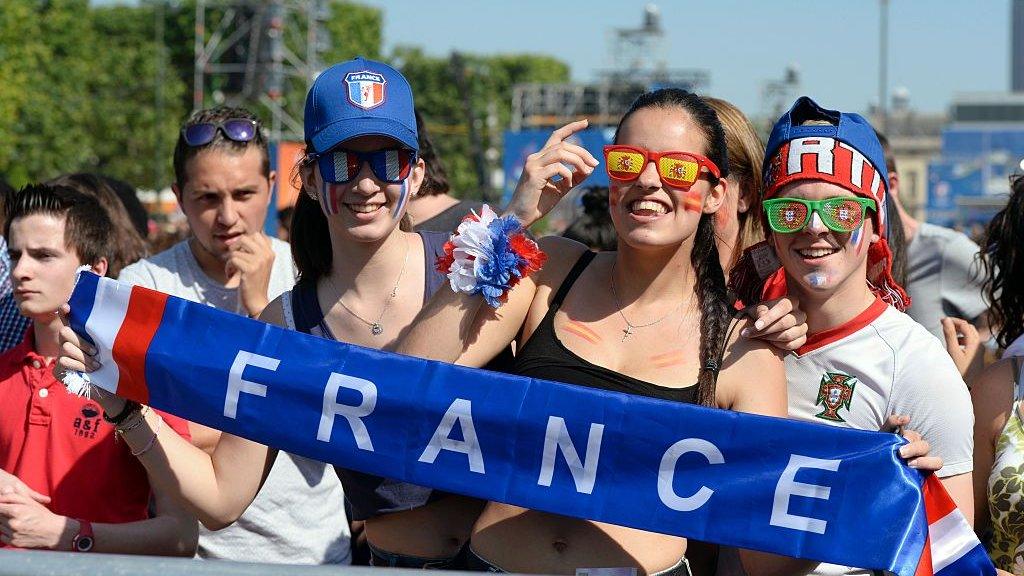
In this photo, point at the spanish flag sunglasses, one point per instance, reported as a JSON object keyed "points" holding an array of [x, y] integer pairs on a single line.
{"points": [[840, 213], [676, 169]]}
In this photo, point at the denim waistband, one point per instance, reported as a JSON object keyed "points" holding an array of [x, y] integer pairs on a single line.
{"points": [[475, 563], [385, 559]]}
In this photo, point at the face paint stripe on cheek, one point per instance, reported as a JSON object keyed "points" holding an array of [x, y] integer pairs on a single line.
{"points": [[403, 198], [692, 201], [855, 238]]}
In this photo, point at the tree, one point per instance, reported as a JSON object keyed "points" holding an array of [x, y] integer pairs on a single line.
{"points": [[488, 84]]}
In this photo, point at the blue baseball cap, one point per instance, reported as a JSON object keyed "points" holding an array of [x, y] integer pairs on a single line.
{"points": [[853, 129], [359, 98]]}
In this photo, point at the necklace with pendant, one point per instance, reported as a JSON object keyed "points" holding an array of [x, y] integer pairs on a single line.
{"points": [[629, 329], [376, 328]]}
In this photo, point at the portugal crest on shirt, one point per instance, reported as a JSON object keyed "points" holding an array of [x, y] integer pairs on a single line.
{"points": [[834, 393]]}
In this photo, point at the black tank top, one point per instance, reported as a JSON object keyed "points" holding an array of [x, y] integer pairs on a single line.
{"points": [[367, 494], [544, 356]]}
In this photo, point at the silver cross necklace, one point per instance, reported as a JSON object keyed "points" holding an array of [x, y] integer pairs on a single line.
{"points": [[629, 329]]}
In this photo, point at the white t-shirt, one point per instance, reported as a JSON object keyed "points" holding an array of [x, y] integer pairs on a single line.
{"points": [[880, 363], [298, 517]]}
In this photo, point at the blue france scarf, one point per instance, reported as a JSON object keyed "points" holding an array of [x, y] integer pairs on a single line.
{"points": [[781, 486]]}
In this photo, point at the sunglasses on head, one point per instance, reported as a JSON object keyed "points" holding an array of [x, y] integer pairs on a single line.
{"points": [[392, 165], [839, 214], [237, 129], [677, 169]]}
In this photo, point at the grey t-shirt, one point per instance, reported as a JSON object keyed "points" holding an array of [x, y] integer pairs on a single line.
{"points": [[298, 517], [940, 279]]}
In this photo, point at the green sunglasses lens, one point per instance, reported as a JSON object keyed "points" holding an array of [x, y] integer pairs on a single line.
{"points": [[787, 216], [842, 214]]}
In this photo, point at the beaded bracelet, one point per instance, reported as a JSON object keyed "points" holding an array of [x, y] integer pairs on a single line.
{"points": [[152, 441], [120, 430], [489, 255]]}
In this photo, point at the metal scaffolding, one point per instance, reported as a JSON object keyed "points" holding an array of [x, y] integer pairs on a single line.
{"points": [[636, 63], [248, 51]]}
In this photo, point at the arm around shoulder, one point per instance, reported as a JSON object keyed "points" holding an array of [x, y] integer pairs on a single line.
{"points": [[753, 377]]}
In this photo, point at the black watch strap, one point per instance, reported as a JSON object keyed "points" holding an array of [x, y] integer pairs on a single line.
{"points": [[130, 407]]}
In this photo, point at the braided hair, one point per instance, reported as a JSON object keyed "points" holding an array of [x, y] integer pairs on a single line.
{"points": [[1002, 261], [710, 286]]}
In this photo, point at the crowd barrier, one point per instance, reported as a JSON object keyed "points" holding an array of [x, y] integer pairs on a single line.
{"points": [[46, 563]]}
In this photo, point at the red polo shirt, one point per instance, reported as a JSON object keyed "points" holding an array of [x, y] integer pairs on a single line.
{"points": [[59, 444]]}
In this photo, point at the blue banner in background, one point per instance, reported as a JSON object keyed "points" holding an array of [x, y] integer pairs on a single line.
{"points": [[519, 145]]}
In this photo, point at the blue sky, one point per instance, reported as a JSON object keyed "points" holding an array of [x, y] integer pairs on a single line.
{"points": [[937, 47]]}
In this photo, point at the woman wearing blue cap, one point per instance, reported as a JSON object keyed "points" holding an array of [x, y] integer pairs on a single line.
{"points": [[363, 278]]}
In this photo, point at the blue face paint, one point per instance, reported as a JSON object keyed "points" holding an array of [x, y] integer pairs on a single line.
{"points": [[325, 201], [856, 236], [816, 279], [403, 199]]}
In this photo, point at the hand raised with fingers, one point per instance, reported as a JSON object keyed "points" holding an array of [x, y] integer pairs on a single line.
{"points": [[548, 174], [252, 258], [962, 342], [779, 322]]}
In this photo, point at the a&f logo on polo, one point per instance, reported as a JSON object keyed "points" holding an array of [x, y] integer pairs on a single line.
{"points": [[827, 159], [365, 89], [835, 392]]}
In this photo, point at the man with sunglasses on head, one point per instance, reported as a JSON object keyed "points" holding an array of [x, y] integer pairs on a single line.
{"points": [[864, 360], [223, 181]]}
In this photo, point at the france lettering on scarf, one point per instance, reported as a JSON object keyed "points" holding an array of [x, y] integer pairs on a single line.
{"points": [[781, 486]]}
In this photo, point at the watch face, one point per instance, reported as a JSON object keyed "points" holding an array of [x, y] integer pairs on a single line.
{"points": [[83, 543]]}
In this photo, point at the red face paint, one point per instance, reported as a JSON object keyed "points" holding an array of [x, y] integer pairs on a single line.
{"points": [[693, 201]]}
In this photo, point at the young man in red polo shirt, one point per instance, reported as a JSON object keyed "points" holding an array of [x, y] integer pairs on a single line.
{"points": [[67, 483]]}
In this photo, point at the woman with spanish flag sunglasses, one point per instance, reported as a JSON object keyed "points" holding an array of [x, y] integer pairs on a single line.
{"points": [[650, 319]]}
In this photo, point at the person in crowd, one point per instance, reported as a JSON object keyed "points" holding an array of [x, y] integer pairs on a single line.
{"points": [[940, 279], [128, 246], [825, 190], [593, 228], [222, 180], [999, 390], [434, 208], [737, 224], [66, 483], [780, 322], [364, 276], [615, 320], [284, 223], [12, 324], [130, 199]]}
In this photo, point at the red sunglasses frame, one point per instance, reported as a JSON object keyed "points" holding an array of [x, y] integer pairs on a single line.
{"points": [[704, 164]]}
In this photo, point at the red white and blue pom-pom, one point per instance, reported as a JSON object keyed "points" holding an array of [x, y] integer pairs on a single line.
{"points": [[488, 255]]}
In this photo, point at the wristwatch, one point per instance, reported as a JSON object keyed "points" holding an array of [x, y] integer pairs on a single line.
{"points": [[84, 540]]}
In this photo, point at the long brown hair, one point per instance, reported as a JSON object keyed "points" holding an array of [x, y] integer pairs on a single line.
{"points": [[746, 153], [710, 286]]}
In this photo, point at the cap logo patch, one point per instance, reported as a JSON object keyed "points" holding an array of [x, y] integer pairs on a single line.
{"points": [[365, 89], [827, 159]]}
